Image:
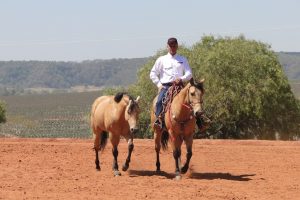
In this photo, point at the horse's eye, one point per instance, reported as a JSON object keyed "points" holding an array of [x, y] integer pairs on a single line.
{"points": [[193, 93]]}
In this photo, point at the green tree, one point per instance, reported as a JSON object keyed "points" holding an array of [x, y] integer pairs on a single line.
{"points": [[247, 92], [2, 112]]}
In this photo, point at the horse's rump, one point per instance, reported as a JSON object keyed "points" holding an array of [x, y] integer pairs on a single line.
{"points": [[102, 102]]}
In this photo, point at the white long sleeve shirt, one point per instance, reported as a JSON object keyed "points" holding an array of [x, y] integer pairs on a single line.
{"points": [[168, 68]]}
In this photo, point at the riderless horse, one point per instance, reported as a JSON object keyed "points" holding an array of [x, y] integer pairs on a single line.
{"points": [[117, 116]]}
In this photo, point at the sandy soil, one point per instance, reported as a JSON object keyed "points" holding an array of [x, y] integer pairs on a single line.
{"points": [[220, 169]]}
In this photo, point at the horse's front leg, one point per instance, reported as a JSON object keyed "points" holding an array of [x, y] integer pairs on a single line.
{"points": [[177, 155], [115, 139], [130, 149], [189, 144], [115, 161]]}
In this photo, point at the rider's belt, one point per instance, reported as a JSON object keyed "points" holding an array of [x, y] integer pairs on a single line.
{"points": [[167, 84]]}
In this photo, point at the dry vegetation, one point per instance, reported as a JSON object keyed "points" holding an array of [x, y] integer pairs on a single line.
{"points": [[49, 115]]}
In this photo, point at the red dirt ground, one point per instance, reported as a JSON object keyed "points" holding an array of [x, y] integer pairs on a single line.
{"points": [[220, 169]]}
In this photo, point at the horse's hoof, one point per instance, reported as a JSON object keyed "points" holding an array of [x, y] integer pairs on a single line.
{"points": [[125, 167], [117, 173], [98, 168], [178, 177], [158, 171]]}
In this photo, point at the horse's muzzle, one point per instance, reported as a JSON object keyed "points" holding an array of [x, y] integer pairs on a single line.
{"points": [[134, 130]]}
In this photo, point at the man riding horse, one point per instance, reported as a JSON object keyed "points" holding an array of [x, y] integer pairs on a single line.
{"points": [[168, 69]]}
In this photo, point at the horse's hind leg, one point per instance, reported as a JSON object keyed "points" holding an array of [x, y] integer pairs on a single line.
{"points": [[97, 160], [189, 143], [157, 138], [130, 149], [97, 148], [100, 139]]}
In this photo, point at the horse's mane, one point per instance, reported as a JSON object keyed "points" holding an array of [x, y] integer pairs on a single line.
{"points": [[120, 95], [199, 85]]}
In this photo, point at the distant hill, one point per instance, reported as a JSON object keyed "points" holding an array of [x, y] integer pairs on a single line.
{"points": [[291, 64], [47, 74], [99, 73]]}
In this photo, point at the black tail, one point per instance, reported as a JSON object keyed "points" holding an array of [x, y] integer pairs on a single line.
{"points": [[103, 142], [164, 140]]}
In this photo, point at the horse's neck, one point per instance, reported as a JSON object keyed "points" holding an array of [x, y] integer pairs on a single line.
{"points": [[120, 109], [178, 107]]}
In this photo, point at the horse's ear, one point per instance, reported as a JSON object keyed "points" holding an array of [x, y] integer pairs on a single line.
{"points": [[192, 81], [202, 80], [137, 99]]}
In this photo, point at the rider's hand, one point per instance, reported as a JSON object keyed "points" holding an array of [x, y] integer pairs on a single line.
{"points": [[159, 88], [178, 81]]}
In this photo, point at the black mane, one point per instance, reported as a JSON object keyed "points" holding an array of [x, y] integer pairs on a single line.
{"points": [[120, 95], [199, 86]]}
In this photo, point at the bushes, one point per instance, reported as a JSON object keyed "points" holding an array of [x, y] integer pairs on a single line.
{"points": [[2, 112]]}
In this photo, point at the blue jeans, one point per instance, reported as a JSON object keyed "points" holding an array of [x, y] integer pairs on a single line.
{"points": [[159, 104]]}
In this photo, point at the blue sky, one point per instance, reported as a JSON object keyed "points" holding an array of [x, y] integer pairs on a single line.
{"points": [[76, 30]]}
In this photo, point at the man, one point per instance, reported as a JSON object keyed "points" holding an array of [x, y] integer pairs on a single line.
{"points": [[166, 70]]}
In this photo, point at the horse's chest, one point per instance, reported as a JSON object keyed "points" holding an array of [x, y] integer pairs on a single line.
{"points": [[178, 127]]}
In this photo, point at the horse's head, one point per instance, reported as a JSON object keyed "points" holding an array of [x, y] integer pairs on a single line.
{"points": [[195, 96], [132, 114]]}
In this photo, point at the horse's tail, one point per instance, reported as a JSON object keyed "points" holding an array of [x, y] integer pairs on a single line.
{"points": [[164, 140], [103, 140]]}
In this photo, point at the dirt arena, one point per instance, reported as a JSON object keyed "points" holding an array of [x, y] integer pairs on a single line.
{"points": [[220, 169]]}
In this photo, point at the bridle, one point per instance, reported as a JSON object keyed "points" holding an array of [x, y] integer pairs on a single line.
{"points": [[191, 104]]}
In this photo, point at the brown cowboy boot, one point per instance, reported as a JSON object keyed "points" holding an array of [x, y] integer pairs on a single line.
{"points": [[160, 122], [157, 124]]}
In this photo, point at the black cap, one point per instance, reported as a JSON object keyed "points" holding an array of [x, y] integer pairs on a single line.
{"points": [[172, 41]]}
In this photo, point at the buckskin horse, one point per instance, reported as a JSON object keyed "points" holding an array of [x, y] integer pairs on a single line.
{"points": [[179, 124], [117, 116]]}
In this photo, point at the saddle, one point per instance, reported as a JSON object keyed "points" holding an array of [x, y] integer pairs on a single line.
{"points": [[169, 96]]}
